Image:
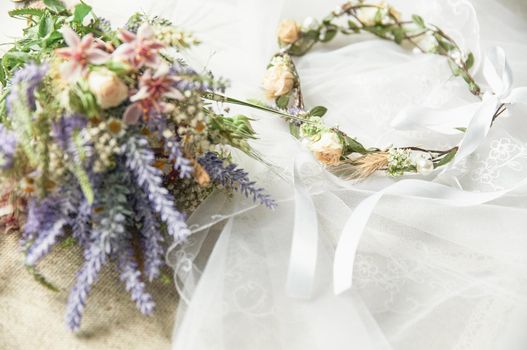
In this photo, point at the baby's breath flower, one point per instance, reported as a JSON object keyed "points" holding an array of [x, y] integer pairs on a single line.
{"points": [[399, 161]]}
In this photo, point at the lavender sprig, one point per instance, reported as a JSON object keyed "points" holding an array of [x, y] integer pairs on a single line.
{"points": [[181, 164], [151, 237], [233, 177], [131, 276], [7, 148], [139, 158], [105, 239], [46, 220], [88, 274], [64, 128], [25, 81]]}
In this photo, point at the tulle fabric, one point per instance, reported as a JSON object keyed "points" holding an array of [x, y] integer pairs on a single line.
{"points": [[428, 276]]}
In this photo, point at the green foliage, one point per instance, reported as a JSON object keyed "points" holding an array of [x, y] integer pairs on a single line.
{"points": [[318, 111], [351, 145], [78, 170], [80, 12], [82, 100], [41, 279], [419, 21], [235, 130], [55, 6], [446, 159], [282, 102], [27, 11]]}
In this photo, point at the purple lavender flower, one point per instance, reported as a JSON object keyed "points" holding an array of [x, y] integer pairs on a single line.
{"points": [[233, 177], [45, 223], [63, 129], [181, 164], [151, 236], [81, 223], [7, 148], [131, 276], [94, 258], [24, 83], [104, 240], [139, 160]]}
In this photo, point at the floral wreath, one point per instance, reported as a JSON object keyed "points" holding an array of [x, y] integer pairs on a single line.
{"points": [[342, 154]]}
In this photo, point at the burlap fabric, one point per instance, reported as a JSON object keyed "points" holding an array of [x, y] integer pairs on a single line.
{"points": [[32, 316]]}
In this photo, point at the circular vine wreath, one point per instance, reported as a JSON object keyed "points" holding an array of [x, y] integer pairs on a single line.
{"points": [[342, 154]]}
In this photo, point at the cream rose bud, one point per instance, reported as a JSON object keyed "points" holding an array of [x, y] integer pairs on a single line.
{"points": [[109, 90], [278, 80], [328, 149], [288, 31]]}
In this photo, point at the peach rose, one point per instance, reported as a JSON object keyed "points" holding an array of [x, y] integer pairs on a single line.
{"points": [[109, 90], [288, 31], [278, 80], [328, 149]]}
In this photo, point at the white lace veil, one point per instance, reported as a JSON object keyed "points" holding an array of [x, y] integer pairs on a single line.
{"points": [[428, 275]]}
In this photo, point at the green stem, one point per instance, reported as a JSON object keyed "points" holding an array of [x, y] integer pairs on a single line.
{"points": [[213, 96]]}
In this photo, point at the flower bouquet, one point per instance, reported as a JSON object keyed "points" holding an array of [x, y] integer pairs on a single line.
{"points": [[106, 143]]}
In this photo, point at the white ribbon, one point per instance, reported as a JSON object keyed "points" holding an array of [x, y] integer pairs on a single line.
{"points": [[499, 76], [303, 258], [349, 241]]}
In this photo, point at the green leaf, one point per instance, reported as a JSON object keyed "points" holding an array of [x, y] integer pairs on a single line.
{"points": [[398, 34], [45, 26], [282, 102], [27, 11], [444, 44], [353, 26], [55, 5], [456, 70], [470, 60], [294, 130], [41, 279], [328, 34], [378, 16], [318, 111], [3, 80], [80, 12], [446, 159], [353, 146], [419, 21]]}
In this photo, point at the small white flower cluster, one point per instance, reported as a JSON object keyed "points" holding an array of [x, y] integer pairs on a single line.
{"points": [[105, 140], [399, 161], [175, 37]]}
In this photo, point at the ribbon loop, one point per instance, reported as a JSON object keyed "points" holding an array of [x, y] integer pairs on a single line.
{"points": [[304, 247]]}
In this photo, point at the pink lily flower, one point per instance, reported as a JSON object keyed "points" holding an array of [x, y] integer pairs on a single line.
{"points": [[139, 49], [153, 88], [78, 54]]}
